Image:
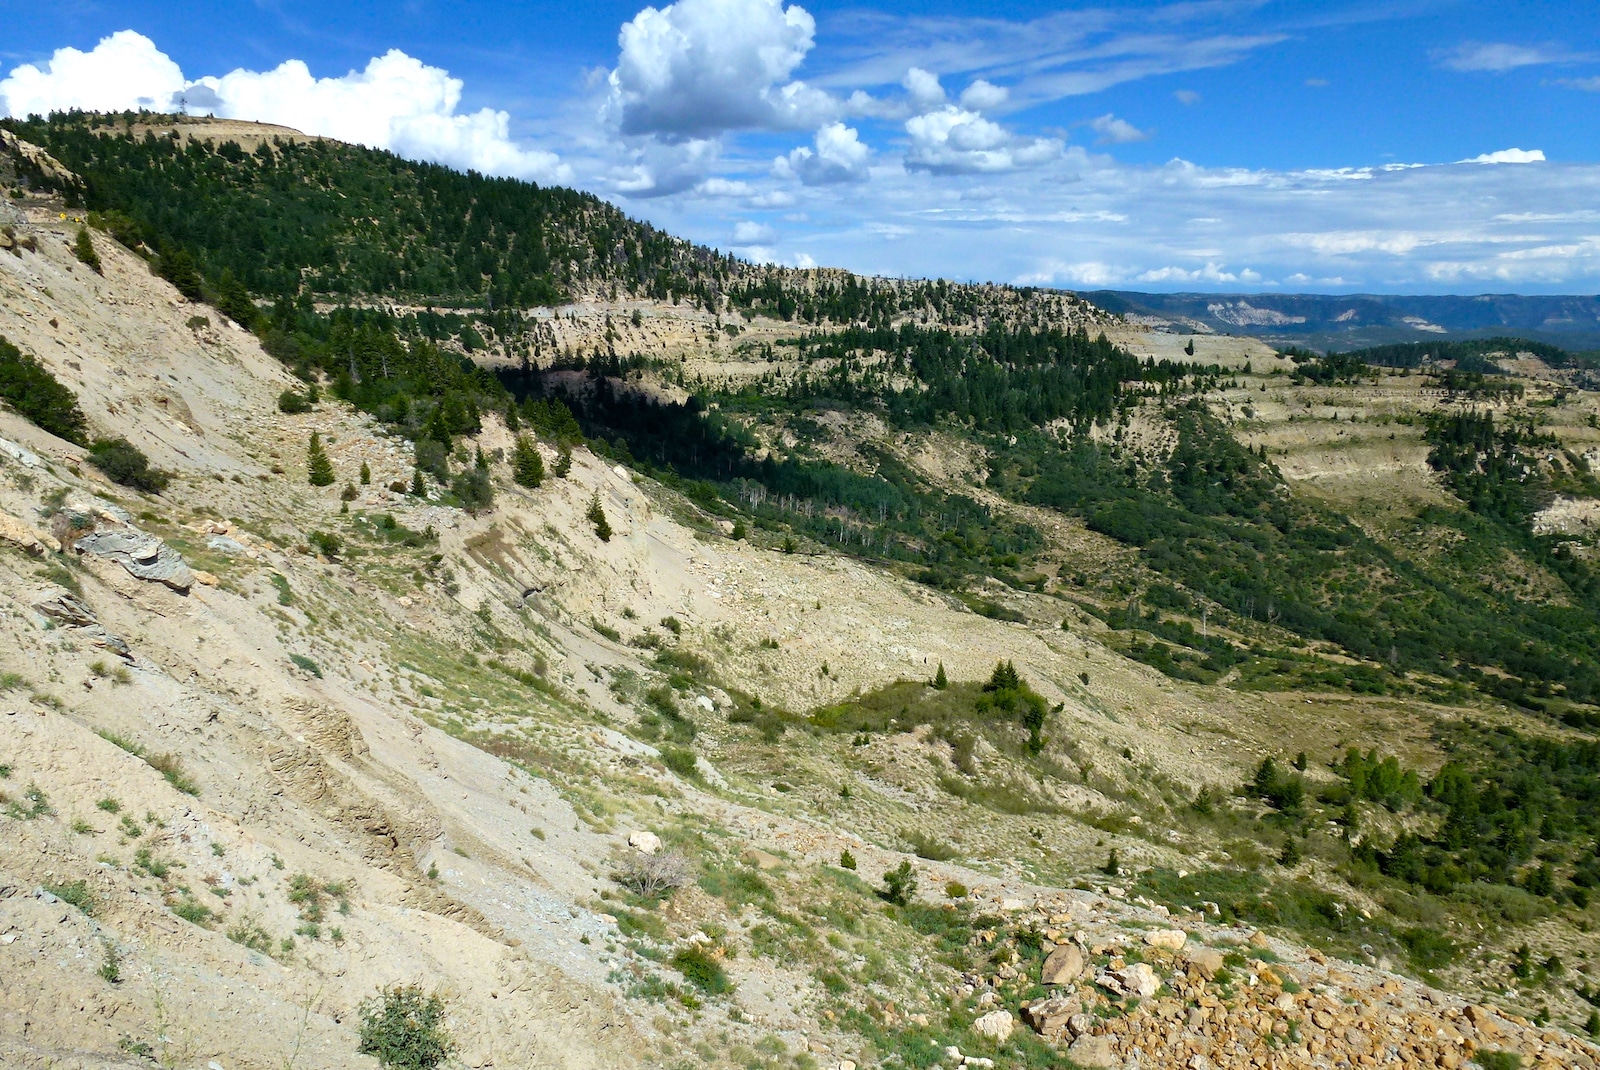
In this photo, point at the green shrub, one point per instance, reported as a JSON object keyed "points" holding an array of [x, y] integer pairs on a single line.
{"points": [[680, 760], [125, 463], [847, 861], [34, 804], [326, 543], [929, 847], [1428, 949], [900, 884], [305, 663], [193, 911], [247, 932], [404, 1027], [293, 403], [702, 971], [310, 895], [111, 965], [27, 386], [74, 892], [1498, 1060]]}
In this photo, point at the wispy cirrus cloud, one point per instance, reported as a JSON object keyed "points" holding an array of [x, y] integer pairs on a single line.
{"points": [[1497, 57], [1064, 54]]}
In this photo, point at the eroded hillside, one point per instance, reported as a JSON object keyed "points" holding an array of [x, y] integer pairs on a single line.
{"points": [[653, 799]]}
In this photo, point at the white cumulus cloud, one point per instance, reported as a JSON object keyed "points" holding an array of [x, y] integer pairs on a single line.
{"points": [[984, 95], [1116, 131], [698, 68], [397, 102], [952, 140], [839, 156], [1509, 156], [125, 71], [923, 88]]}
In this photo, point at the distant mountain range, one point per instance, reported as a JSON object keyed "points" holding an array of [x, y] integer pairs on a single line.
{"points": [[1357, 320]]}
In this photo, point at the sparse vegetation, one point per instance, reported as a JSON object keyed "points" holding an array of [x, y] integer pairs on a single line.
{"points": [[73, 892], [652, 876], [900, 884], [404, 1027]]}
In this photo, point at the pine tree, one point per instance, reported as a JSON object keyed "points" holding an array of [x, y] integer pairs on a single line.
{"points": [[317, 463], [513, 423], [366, 474], [473, 488], [940, 680], [419, 488], [83, 249], [563, 463], [597, 517], [527, 465], [1004, 678]]}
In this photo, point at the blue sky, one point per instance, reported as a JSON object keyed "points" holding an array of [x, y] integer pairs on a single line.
{"points": [[1203, 145]]}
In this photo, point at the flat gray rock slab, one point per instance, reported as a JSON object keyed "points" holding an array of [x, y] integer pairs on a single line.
{"points": [[144, 556]]}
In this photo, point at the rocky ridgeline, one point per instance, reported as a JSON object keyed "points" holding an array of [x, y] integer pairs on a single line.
{"points": [[1202, 996]]}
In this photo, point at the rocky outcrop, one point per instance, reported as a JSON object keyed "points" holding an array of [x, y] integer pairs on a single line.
{"points": [[145, 556], [21, 536], [67, 608]]}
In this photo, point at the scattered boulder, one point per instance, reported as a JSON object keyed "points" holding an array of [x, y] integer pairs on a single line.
{"points": [[644, 841], [1093, 1051], [1205, 961], [145, 556], [1170, 939], [996, 1025], [1063, 966], [763, 860], [1137, 979], [1051, 1015], [21, 536], [1482, 1020]]}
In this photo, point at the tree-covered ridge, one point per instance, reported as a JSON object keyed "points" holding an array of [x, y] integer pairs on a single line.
{"points": [[999, 380], [345, 223], [1469, 355], [341, 221], [1220, 520]]}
